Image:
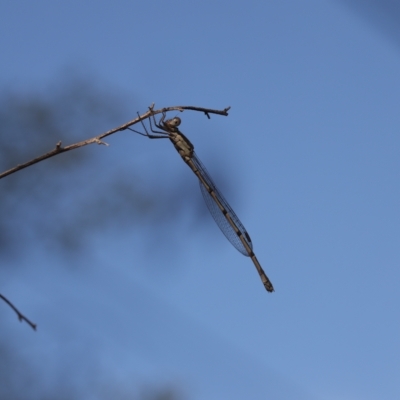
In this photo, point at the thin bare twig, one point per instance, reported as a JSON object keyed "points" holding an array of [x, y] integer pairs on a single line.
{"points": [[21, 317], [97, 139]]}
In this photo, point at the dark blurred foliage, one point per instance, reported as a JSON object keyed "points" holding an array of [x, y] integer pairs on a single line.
{"points": [[384, 15], [60, 201], [30, 125], [20, 381]]}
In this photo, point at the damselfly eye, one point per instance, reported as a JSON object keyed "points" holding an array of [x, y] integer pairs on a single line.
{"points": [[176, 121]]}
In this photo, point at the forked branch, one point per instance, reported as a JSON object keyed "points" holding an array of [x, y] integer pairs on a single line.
{"points": [[98, 139]]}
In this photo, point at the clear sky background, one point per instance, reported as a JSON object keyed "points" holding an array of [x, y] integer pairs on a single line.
{"points": [[308, 158]]}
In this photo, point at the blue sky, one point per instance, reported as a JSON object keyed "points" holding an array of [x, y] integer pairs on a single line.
{"points": [[311, 152]]}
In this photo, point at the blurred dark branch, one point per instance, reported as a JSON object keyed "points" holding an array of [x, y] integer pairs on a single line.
{"points": [[97, 139], [21, 317], [382, 15]]}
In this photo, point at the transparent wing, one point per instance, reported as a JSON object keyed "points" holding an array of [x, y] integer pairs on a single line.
{"points": [[216, 212]]}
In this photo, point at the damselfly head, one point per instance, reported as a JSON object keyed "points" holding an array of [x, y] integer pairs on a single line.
{"points": [[173, 122]]}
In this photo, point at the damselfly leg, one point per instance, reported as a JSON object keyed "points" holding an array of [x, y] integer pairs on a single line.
{"points": [[161, 135]]}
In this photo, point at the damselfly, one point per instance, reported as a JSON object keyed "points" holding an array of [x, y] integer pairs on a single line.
{"points": [[219, 208]]}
